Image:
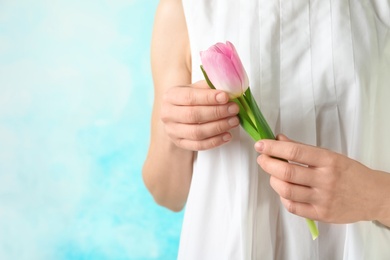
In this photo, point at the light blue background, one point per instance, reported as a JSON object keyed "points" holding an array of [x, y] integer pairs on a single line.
{"points": [[75, 103]]}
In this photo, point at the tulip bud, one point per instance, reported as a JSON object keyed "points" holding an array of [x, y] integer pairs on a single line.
{"points": [[224, 69]]}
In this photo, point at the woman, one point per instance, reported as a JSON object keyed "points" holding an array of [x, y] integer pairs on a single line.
{"points": [[320, 72]]}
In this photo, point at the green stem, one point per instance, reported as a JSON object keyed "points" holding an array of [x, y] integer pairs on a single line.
{"points": [[247, 109], [246, 121], [265, 132], [313, 228], [254, 123], [262, 125]]}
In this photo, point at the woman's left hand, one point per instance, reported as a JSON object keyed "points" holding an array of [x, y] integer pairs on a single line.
{"points": [[323, 185]]}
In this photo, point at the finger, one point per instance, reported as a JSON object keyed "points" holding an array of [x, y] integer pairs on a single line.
{"points": [[200, 84], [201, 114], [288, 172], [282, 137], [206, 144], [190, 96], [291, 191], [295, 152], [198, 132], [305, 210]]}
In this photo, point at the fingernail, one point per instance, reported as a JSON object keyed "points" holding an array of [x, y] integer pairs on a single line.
{"points": [[221, 97], [233, 109], [259, 146], [226, 137], [233, 121]]}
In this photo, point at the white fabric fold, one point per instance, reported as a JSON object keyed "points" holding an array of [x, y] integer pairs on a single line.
{"points": [[320, 71]]}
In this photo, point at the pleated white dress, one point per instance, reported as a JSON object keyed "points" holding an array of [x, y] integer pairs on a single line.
{"points": [[320, 71]]}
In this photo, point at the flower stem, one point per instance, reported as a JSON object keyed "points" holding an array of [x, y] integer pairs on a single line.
{"points": [[313, 228], [265, 132], [254, 123], [247, 108]]}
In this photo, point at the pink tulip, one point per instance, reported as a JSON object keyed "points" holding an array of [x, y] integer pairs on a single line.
{"points": [[224, 69]]}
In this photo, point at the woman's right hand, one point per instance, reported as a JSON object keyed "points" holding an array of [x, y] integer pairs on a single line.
{"points": [[197, 118]]}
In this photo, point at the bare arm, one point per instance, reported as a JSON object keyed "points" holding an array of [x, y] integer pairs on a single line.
{"points": [[167, 170], [186, 117]]}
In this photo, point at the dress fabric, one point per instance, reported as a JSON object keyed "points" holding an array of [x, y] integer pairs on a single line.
{"points": [[320, 71]]}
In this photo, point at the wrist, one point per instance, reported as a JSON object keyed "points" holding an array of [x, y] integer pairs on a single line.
{"points": [[381, 212]]}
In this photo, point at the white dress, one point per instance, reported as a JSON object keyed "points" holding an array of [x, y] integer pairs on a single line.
{"points": [[320, 71]]}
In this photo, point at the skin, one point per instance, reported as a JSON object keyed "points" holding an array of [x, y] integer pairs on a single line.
{"points": [[189, 117], [186, 117], [324, 185]]}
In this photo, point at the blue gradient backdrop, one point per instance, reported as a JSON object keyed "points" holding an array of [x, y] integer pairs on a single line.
{"points": [[75, 103]]}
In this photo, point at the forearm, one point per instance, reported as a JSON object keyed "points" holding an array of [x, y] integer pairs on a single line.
{"points": [[167, 172], [382, 203], [167, 169]]}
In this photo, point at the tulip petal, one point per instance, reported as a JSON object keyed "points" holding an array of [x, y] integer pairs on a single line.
{"points": [[206, 77], [239, 67], [225, 49], [222, 73], [214, 48]]}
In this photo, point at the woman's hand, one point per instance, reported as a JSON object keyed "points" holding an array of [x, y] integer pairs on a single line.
{"points": [[197, 117], [323, 185]]}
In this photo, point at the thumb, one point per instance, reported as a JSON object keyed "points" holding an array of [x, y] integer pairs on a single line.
{"points": [[282, 137], [200, 84]]}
